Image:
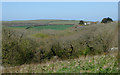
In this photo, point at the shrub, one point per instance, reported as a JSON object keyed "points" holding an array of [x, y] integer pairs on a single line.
{"points": [[106, 20], [81, 22], [90, 40], [15, 49]]}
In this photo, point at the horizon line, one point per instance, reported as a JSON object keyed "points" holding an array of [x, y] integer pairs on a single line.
{"points": [[54, 19]]}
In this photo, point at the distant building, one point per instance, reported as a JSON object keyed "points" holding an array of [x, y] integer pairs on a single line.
{"points": [[87, 23]]}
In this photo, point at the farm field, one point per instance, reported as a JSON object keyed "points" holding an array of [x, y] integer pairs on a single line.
{"points": [[39, 22], [54, 27]]}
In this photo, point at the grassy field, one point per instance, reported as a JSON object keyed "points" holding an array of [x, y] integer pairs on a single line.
{"points": [[40, 22], [54, 27]]}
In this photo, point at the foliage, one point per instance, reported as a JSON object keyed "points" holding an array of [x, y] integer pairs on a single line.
{"points": [[81, 22], [16, 50], [91, 64], [19, 48], [106, 20]]}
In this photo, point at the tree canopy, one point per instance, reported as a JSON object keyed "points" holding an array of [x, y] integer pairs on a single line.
{"points": [[81, 22], [106, 20]]}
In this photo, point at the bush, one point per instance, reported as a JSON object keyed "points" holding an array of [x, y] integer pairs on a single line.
{"points": [[16, 50], [81, 22], [106, 20], [90, 40]]}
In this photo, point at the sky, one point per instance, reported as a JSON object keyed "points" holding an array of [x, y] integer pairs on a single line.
{"points": [[88, 11]]}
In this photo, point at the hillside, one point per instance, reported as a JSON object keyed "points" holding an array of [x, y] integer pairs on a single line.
{"points": [[39, 22], [26, 47]]}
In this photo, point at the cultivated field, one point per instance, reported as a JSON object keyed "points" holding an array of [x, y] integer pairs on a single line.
{"points": [[59, 46], [54, 27]]}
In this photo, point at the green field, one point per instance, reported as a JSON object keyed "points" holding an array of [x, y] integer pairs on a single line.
{"points": [[54, 27]]}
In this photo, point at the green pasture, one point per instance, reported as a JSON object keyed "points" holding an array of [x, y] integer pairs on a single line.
{"points": [[54, 27]]}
